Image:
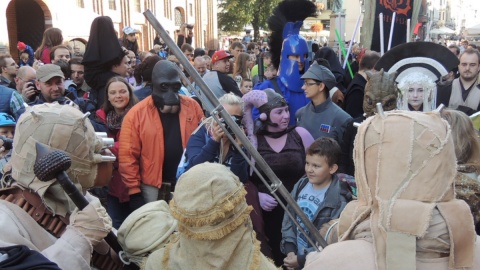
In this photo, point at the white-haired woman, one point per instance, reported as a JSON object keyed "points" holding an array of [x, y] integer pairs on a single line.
{"points": [[210, 144], [418, 93]]}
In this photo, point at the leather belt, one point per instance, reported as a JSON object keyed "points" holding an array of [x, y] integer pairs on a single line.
{"points": [[32, 204]]}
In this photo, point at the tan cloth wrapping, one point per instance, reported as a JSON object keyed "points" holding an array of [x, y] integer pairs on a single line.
{"points": [[93, 221], [146, 230], [215, 231], [359, 255], [71, 251], [405, 168], [60, 127]]}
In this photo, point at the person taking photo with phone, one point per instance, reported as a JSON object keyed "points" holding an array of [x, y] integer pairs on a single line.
{"points": [[25, 82]]}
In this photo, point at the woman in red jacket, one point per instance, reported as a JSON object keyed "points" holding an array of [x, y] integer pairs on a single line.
{"points": [[51, 37], [120, 99]]}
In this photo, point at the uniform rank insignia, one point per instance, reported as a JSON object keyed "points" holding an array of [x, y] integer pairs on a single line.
{"points": [[325, 128]]}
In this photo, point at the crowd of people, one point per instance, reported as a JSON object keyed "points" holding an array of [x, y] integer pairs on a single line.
{"points": [[394, 178]]}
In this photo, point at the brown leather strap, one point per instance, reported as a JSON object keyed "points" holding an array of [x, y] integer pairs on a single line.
{"points": [[32, 204]]}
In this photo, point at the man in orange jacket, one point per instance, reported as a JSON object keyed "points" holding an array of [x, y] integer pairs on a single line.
{"points": [[154, 134]]}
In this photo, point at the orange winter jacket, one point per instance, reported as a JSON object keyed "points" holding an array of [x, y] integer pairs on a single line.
{"points": [[141, 141]]}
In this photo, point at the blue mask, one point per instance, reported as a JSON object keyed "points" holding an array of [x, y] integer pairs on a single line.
{"points": [[293, 44]]}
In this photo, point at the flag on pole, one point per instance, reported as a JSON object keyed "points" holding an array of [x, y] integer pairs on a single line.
{"points": [[403, 9]]}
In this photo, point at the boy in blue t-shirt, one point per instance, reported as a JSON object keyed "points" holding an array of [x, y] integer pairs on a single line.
{"points": [[319, 194]]}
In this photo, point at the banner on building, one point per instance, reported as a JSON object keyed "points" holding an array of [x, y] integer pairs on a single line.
{"points": [[404, 9]]}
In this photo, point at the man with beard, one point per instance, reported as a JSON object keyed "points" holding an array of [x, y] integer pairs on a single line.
{"points": [[154, 134], [463, 93]]}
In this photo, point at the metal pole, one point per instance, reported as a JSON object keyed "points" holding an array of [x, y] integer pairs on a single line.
{"points": [[240, 150], [276, 185]]}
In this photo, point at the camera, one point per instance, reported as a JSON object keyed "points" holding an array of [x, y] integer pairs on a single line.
{"points": [[32, 83], [189, 26], [238, 121]]}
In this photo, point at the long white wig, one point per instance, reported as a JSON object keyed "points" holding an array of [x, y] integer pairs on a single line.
{"points": [[429, 91]]}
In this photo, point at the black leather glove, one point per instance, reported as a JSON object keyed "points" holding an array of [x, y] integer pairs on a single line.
{"points": [[136, 201]]}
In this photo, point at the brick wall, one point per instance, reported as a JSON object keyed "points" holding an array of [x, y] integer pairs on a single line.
{"points": [[12, 29]]}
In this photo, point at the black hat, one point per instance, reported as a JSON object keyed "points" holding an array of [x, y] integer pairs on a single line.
{"points": [[429, 58]]}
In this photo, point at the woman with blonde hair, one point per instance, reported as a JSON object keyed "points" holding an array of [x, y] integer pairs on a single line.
{"points": [[210, 144], [241, 69], [51, 37]]}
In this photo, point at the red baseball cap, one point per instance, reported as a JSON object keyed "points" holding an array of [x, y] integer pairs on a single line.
{"points": [[219, 55], [21, 46]]}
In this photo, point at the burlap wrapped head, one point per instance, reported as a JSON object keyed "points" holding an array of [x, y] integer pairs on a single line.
{"points": [[211, 208], [59, 127], [145, 230], [215, 231], [405, 167]]}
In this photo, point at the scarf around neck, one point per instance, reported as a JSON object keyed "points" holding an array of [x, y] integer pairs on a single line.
{"points": [[114, 120]]}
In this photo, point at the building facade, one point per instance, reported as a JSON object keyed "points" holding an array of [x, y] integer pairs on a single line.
{"points": [[352, 9], [464, 14], [26, 20]]}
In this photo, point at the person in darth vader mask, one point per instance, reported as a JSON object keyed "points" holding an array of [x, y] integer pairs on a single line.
{"points": [[154, 134]]}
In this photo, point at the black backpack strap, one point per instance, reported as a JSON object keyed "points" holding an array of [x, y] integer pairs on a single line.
{"points": [[276, 87]]}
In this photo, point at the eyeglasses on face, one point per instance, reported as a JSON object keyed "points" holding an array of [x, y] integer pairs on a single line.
{"points": [[309, 84]]}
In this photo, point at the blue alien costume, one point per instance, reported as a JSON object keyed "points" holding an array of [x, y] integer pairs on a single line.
{"points": [[289, 80]]}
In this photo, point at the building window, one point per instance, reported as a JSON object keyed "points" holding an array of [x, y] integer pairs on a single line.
{"points": [[191, 9], [138, 7], [166, 4], [112, 5], [178, 17], [80, 4]]}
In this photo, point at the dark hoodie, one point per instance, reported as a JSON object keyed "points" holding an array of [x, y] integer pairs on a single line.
{"points": [[101, 52], [328, 54]]}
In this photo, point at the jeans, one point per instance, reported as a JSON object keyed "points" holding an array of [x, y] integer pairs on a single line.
{"points": [[117, 211]]}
